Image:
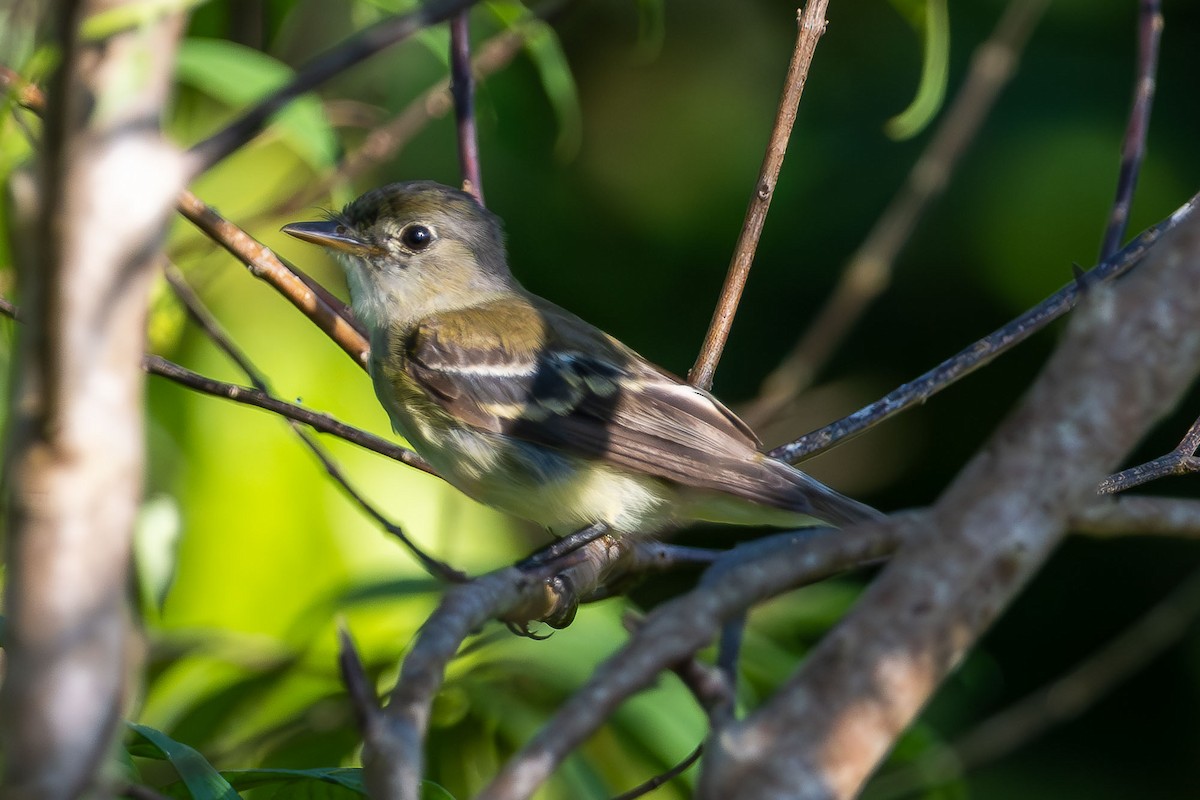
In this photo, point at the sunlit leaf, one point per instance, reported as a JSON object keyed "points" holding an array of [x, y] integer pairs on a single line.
{"points": [[122, 16], [238, 76], [202, 780], [545, 51], [436, 39], [322, 783], [931, 20]]}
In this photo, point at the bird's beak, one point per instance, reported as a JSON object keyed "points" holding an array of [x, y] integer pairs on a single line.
{"points": [[331, 234]]}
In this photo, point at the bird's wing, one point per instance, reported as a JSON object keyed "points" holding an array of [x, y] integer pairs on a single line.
{"points": [[587, 395]]}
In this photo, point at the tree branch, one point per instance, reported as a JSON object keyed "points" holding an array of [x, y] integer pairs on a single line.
{"points": [[869, 270], [74, 461], [1133, 148], [359, 47], [462, 87], [677, 629], [983, 351], [811, 25], [1126, 359]]}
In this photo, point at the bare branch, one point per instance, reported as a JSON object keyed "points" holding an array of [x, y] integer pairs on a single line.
{"points": [[1180, 461], [462, 86], [327, 312], [983, 351], [73, 468], [331, 317], [869, 270], [1124, 362], [157, 365], [385, 141], [677, 629], [1133, 148], [1126, 516], [811, 25], [364, 44], [208, 323], [1059, 701]]}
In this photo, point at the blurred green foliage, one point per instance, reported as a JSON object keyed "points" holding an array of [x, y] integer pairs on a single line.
{"points": [[621, 150]]}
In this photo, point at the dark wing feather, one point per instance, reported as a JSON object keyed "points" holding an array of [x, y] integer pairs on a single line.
{"points": [[587, 395]]}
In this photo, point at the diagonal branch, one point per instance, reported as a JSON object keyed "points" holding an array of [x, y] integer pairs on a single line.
{"points": [[361, 46], [811, 26], [869, 270], [983, 351], [1133, 148], [1124, 362]]}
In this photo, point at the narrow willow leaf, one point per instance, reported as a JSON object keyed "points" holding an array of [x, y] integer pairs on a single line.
{"points": [[931, 20], [546, 53], [202, 779]]}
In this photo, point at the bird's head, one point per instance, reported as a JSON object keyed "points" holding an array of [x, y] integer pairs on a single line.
{"points": [[411, 249]]}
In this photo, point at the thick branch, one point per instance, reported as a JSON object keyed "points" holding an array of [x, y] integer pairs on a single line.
{"points": [[1126, 360], [677, 629], [74, 463]]}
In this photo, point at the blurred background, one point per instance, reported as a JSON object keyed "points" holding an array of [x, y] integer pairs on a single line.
{"points": [[621, 149]]}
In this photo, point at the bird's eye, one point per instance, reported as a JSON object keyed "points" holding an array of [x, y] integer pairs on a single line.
{"points": [[416, 237]]}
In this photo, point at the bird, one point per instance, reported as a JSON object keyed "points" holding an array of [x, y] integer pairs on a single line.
{"points": [[527, 408]]}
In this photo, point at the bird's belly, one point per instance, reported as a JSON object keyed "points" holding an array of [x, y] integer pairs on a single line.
{"points": [[546, 486]]}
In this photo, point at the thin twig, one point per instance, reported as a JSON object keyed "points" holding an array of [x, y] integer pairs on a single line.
{"points": [[678, 628], [359, 688], [1121, 365], [200, 314], [327, 312], [362, 45], [1133, 147], [462, 86], [811, 24], [869, 270], [323, 423], [264, 264], [384, 142], [1180, 461], [208, 323], [643, 789], [983, 351]]}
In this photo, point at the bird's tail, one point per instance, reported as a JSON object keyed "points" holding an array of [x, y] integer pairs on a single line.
{"points": [[788, 488], [816, 499]]}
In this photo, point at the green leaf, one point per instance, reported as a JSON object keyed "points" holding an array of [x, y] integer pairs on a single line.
{"points": [[321, 783], [931, 20], [202, 779], [113, 20], [436, 39], [239, 76], [546, 53]]}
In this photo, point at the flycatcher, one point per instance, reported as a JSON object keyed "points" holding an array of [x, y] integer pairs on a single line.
{"points": [[527, 408]]}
